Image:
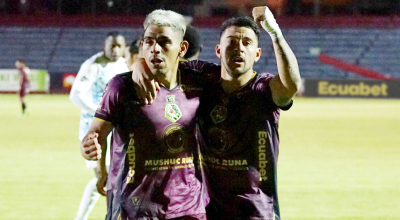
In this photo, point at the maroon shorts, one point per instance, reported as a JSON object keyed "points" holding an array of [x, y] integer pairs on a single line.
{"points": [[23, 91]]}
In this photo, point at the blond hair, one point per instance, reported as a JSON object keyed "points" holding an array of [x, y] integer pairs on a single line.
{"points": [[166, 18]]}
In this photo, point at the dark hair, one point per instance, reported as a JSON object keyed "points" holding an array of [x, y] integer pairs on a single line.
{"points": [[20, 60], [134, 47], [193, 37], [113, 34], [240, 22]]}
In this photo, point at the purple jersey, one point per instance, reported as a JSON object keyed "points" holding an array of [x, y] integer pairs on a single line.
{"points": [[24, 89], [154, 152], [239, 144]]}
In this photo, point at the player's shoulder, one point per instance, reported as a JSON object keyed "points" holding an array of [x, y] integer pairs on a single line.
{"points": [[121, 81], [261, 79], [93, 58], [200, 70]]}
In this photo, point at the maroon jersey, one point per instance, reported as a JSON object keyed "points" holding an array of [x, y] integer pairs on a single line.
{"points": [[238, 134], [154, 152], [24, 89]]}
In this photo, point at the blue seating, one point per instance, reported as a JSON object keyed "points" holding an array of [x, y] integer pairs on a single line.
{"points": [[64, 49]]}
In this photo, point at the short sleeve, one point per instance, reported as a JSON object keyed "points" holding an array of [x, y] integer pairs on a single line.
{"points": [[208, 72], [261, 85]]}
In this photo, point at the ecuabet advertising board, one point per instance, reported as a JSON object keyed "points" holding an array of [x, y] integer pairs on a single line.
{"points": [[347, 88]]}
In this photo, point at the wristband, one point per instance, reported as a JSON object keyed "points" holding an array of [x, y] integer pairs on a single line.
{"points": [[270, 25]]}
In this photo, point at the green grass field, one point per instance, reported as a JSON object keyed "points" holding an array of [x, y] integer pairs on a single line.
{"points": [[339, 159]]}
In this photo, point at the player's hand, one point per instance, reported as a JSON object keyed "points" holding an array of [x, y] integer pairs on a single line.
{"points": [[101, 184], [146, 85], [90, 147], [264, 16]]}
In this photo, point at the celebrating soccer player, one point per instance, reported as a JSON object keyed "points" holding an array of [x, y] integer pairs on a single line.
{"points": [[153, 171], [238, 120]]}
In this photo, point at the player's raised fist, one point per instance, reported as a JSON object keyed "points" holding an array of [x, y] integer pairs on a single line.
{"points": [[264, 16], [90, 147], [259, 13]]}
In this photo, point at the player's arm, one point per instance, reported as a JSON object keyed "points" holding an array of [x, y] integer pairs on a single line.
{"points": [[80, 89], [79, 92], [94, 147], [287, 83], [146, 84]]}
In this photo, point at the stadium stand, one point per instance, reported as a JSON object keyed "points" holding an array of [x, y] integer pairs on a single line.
{"points": [[63, 49]]}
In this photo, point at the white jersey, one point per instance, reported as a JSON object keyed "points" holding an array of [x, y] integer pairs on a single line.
{"points": [[88, 88], [89, 85]]}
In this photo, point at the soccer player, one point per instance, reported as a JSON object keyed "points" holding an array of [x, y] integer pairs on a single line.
{"points": [[132, 53], [24, 72], [153, 151], [193, 38], [86, 92], [238, 121]]}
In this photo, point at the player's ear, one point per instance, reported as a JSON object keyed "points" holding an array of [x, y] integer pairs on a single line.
{"points": [[184, 48], [218, 51], [258, 55]]}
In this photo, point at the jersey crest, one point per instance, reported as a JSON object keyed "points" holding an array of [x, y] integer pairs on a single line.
{"points": [[172, 110], [218, 114]]}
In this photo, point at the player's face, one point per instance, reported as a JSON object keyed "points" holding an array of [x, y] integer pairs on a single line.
{"points": [[238, 50], [162, 47], [114, 47], [128, 57]]}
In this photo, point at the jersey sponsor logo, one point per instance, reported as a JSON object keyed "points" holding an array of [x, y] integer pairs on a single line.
{"points": [[262, 155], [169, 163], [131, 159], [231, 164], [220, 140], [175, 138], [218, 114]]}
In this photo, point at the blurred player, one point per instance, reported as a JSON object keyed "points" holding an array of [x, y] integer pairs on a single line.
{"points": [[132, 53], [195, 46], [24, 72], [86, 92], [154, 151]]}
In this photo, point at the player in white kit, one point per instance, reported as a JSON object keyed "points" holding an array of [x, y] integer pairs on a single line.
{"points": [[86, 92]]}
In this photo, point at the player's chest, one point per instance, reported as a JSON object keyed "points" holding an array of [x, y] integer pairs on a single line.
{"points": [[170, 108]]}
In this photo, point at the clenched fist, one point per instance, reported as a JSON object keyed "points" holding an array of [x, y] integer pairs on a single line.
{"points": [[263, 15], [90, 147]]}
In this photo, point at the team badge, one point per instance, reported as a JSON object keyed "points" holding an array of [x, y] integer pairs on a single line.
{"points": [[218, 114], [172, 110]]}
